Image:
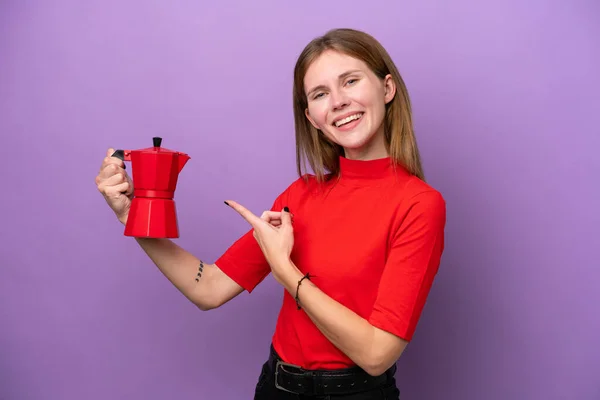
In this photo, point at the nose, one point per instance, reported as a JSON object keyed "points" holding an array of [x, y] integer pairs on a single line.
{"points": [[339, 100]]}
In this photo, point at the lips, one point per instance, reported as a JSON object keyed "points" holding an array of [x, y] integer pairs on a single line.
{"points": [[345, 119]]}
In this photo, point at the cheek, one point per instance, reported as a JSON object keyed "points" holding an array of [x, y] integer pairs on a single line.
{"points": [[318, 112], [368, 98], [374, 101]]}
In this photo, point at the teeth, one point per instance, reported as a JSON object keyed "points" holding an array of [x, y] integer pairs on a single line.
{"points": [[347, 119]]}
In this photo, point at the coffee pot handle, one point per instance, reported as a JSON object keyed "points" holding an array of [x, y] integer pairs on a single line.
{"points": [[120, 154]]}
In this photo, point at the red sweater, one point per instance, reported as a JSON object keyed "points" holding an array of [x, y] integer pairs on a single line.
{"points": [[373, 239]]}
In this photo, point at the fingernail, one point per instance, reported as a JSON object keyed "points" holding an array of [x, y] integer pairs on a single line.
{"points": [[226, 203], [286, 209]]}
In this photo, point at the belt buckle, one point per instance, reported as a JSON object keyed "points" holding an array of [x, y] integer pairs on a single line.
{"points": [[284, 364]]}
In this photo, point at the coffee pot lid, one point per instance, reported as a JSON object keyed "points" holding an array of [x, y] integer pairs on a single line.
{"points": [[157, 141]]}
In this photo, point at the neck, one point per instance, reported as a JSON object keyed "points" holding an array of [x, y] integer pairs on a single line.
{"points": [[365, 171]]}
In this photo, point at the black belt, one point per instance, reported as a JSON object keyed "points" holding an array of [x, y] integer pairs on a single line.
{"points": [[294, 379]]}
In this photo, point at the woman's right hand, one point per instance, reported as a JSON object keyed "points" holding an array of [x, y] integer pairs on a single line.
{"points": [[115, 185]]}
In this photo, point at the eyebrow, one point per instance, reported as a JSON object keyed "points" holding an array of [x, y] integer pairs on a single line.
{"points": [[340, 77]]}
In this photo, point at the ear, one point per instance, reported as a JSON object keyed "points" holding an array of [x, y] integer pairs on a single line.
{"points": [[310, 119], [389, 87]]}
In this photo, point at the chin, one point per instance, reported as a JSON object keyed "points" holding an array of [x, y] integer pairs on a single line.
{"points": [[354, 144], [351, 140]]}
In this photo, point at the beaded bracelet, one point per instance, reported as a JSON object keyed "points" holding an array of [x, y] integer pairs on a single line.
{"points": [[307, 276]]}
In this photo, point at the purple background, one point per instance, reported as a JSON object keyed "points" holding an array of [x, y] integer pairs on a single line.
{"points": [[507, 113]]}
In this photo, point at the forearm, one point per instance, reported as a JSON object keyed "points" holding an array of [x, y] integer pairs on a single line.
{"points": [[349, 332], [181, 268], [369, 347]]}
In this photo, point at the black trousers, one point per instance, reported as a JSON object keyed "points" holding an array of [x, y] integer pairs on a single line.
{"points": [[266, 388]]}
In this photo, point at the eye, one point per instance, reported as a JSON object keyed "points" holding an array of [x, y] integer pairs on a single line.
{"points": [[351, 81], [318, 95]]}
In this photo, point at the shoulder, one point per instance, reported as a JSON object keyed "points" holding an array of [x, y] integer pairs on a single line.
{"points": [[420, 191], [297, 190], [299, 184], [418, 197], [304, 184]]}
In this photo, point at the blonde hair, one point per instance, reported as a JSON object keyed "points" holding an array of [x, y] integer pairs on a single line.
{"points": [[311, 144]]}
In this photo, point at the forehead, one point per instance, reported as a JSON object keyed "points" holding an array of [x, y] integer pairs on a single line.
{"points": [[329, 66]]}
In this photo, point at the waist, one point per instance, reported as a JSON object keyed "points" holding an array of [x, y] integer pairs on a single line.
{"points": [[295, 379]]}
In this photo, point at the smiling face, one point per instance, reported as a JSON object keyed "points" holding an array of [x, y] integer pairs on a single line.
{"points": [[346, 101]]}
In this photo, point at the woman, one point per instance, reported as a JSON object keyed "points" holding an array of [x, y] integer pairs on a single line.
{"points": [[356, 245]]}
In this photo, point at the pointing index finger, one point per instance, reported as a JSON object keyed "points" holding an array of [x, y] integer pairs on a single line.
{"points": [[244, 212]]}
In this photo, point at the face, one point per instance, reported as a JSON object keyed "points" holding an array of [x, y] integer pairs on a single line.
{"points": [[346, 101]]}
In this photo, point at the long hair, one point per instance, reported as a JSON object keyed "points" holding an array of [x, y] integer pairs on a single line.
{"points": [[311, 144]]}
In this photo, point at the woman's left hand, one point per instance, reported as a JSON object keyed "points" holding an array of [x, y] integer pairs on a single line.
{"points": [[274, 233]]}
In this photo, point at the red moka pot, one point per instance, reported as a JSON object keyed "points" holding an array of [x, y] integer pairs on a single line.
{"points": [[154, 172]]}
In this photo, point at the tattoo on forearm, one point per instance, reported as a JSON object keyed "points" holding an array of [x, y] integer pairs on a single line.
{"points": [[200, 268]]}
